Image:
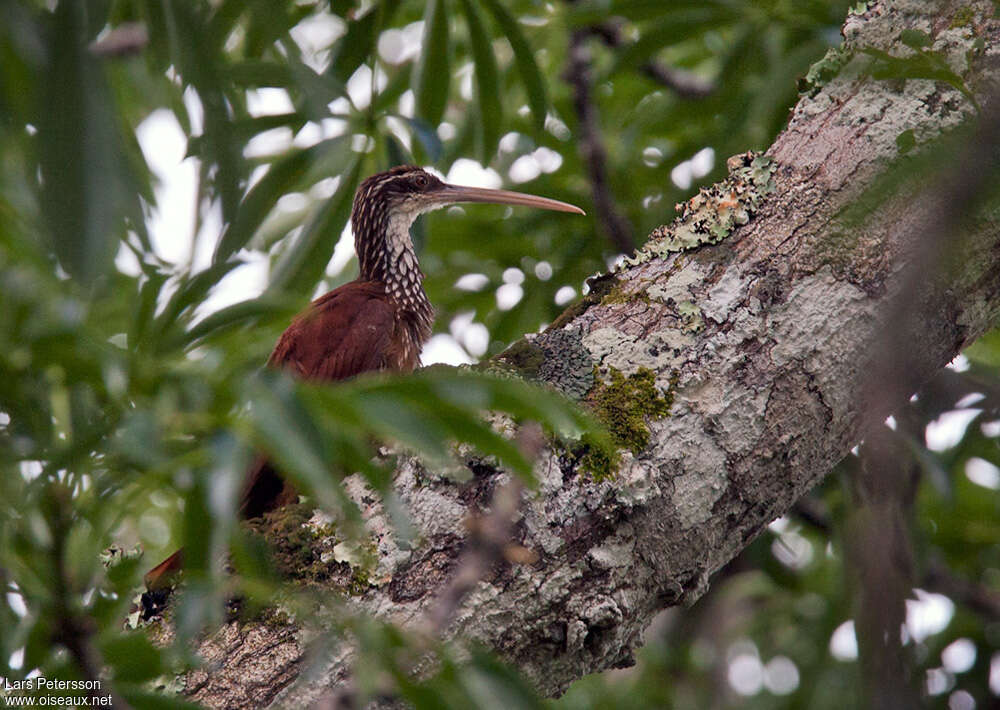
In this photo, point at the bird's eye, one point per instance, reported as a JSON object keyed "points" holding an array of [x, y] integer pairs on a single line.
{"points": [[420, 181]]}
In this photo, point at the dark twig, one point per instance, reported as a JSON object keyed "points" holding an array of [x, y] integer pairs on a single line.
{"points": [[977, 598], [685, 84], [591, 146]]}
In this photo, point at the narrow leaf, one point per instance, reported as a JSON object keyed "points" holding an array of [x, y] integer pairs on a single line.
{"points": [[302, 265], [432, 73], [487, 82], [531, 75], [283, 176]]}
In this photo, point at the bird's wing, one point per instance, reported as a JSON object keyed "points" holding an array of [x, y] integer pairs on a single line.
{"points": [[342, 334]]}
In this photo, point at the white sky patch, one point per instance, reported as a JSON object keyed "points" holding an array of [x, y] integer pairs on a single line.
{"points": [[407, 103], [928, 614], [991, 429], [16, 603], [513, 275], [792, 550], [543, 271], [446, 131], [359, 86], [268, 101], [652, 156], [343, 252], [698, 166], [314, 35], [745, 672], [396, 46], [969, 399], [442, 348], [172, 222], [781, 676], [471, 173], [939, 681], [890, 422], [266, 143], [524, 169], [844, 642], [311, 133], [16, 659], [982, 473], [959, 656], [961, 700], [476, 339], [548, 160], [472, 282], [461, 321], [564, 295], [959, 364], [948, 429], [243, 282], [995, 673], [508, 144], [508, 296]]}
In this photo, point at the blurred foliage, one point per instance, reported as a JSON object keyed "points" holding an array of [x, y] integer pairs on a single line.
{"points": [[129, 406]]}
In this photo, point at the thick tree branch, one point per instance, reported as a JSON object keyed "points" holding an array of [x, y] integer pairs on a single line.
{"points": [[762, 344]]}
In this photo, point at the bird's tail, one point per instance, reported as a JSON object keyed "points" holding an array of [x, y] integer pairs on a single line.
{"points": [[264, 491], [163, 575]]}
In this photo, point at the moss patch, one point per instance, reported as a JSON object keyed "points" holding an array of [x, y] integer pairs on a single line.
{"points": [[965, 17], [524, 357], [600, 286], [304, 553], [623, 405]]}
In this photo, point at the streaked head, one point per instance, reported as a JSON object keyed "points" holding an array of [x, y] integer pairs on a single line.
{"points": [[386, 205], [412, 191]]}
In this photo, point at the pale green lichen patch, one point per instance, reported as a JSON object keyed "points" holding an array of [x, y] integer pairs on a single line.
{"points": [[712, 214], [690, 313], [624, 405], [824, 70]]}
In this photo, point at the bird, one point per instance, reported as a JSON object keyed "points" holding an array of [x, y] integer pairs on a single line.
{"points": [[378, 322]]}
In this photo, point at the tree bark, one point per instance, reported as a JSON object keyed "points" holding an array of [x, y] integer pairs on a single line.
{"points": [[762, 343]]}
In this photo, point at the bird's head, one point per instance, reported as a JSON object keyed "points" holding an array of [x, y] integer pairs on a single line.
{"points": [[386, 205], [403, 193]]}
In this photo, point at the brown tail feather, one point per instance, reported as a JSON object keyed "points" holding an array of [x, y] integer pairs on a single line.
{"points": [[162, 576]]}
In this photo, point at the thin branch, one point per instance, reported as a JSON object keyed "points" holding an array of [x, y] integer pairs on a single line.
{"points": [[976, 597], [687, 85], [591, 146]]}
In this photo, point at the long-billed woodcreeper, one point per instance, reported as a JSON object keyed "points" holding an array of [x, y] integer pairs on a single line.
{"points": [[378, 322]]}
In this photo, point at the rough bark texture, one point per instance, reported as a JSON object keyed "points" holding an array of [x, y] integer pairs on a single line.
{"points": [[761, 345]]}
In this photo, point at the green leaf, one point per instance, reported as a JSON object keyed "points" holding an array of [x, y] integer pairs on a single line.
{"points": [[487, 82], [305, 261], [426, 136], [358, 42], [282, 177], [244, 313], [132, 656], [531, 75], [86, 183], [432, 73], [906, 141], [915, 39]]}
